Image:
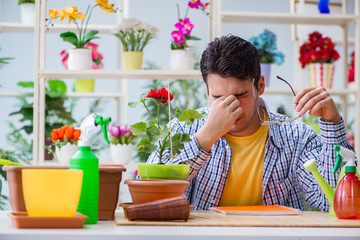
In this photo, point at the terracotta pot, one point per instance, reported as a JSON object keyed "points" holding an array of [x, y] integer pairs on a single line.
{"points": [[143, 191], [109, 180]]}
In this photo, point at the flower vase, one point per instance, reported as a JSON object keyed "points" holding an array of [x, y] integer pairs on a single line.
{"points": [[27, 11], [84, 85], [79, 58], [65, 153], [265, 71], [181, 59], [321, 74], [132, 60], [121, 154]]}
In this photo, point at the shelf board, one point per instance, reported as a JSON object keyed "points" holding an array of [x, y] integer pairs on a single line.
{"points": [[16, 27], [121, 74], [286, 91], [286, 18], [94, 95], [15, 94], [56, 28]]}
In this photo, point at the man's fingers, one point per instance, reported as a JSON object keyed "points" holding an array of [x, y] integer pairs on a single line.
{"points": [[311, 101]]}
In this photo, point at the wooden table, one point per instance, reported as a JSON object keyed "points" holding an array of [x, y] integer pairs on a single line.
{"points": [[109, 230]]}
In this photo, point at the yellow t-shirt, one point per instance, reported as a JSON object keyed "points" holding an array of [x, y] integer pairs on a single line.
{"points": [[243, 186]]}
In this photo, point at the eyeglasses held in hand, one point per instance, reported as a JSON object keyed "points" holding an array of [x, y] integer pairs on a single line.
{"points": [[278, 121]]}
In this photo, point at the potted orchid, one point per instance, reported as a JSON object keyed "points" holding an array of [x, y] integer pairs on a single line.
{"points": [[121, 147], [27, 11], [80, 57], [319, 54], [268, 54], [65, 141], [161, 139], [181, 58], [85, 85], [134, 36]]}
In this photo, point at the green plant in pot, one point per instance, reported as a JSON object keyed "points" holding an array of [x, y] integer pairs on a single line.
{"points": [[158, 138]]}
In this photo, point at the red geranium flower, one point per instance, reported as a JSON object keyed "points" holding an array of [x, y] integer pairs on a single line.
{"points": [[161, 96], [318, 49]]}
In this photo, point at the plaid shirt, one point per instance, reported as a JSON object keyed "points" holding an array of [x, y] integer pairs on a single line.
{"points": [[289, 146]]}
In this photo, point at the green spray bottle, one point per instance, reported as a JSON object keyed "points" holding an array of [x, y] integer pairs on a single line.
{"points": [[85, 160]]}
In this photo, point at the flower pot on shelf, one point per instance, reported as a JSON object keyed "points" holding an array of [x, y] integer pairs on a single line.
{"points": [[321, 74], [163, 171], [109, 179], [181, 59], [121, 153], [65, 153], [143, 191], [84, 85], [265, 71], [27, 11], [79, 59], [132, 60]]}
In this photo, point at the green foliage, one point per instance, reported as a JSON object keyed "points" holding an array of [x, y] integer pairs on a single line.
{"points": [[56, 113], [25, 1], [79, 43], [153, 134]]}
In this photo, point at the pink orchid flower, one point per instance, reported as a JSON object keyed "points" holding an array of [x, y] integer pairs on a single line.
{"points": [[194, 4], [188, 26], [114, 130], [178, 37]]}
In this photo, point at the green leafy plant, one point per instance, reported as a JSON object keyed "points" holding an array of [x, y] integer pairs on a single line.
{"points": [[25, 1], [56, 113], [154, 135]]}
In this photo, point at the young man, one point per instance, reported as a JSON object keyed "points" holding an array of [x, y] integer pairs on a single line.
{"points": [[234, 159]]}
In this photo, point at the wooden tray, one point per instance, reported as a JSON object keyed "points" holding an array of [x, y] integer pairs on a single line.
{"points": [[22, 220], [209, 218]]}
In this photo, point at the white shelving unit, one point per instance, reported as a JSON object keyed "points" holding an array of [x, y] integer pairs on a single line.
{"points": [[218, 16]]}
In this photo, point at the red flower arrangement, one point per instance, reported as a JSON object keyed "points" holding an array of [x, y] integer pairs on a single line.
{"points": [[351, 72], [318, 49]]}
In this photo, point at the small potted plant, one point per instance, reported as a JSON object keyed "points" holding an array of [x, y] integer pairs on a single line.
{"points": [[80, 57], [134, 36], [85, 85], [27, 10], [65, 141], [268, 54], [181, 58], [319, 54], [159, 181], [155, 137], [121, 147]]}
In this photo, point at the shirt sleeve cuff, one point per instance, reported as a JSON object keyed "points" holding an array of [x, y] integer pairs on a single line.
{"points": [[199, 155], [332, 133]]}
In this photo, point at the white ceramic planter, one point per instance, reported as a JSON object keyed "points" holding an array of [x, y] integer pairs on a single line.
{"points": [[65, 153], [265, 71], [181, 60], [79, 58], [121, 154], [27, 11]]}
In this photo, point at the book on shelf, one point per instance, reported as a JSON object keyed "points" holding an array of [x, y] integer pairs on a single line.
{"points": [[262, 210]]}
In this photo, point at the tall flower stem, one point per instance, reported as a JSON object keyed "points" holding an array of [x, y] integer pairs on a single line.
{"points": [[88, 18], [157, 122]]}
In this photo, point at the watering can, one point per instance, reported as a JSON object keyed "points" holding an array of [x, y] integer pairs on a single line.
{"points": [[342, 154]]}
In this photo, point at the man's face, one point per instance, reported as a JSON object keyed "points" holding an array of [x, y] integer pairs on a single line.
{"points": [[248, 122]]}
